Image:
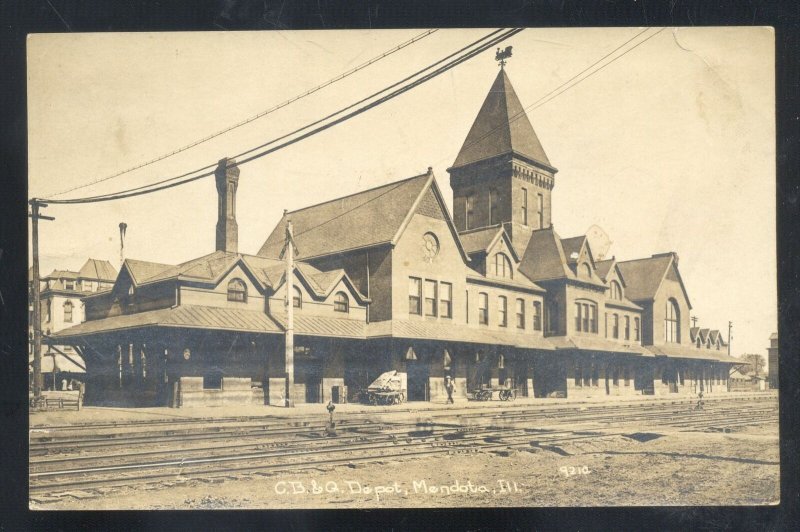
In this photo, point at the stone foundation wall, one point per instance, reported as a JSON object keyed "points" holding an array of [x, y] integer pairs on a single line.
{"points": [[234, 391]]}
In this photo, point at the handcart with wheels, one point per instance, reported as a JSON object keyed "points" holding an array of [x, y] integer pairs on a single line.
{"points": [[486, 393]]}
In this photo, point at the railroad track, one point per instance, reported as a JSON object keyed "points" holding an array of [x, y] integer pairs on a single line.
{"points": [[270, 453], [54, 442]]}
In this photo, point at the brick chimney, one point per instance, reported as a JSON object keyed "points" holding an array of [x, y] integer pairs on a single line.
{"points": [[227, 178]]}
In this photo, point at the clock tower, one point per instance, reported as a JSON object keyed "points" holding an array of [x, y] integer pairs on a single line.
{"points": [[502, 174]]}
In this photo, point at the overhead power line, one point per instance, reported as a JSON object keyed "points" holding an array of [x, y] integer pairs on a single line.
{"points": [[466, 53], [254, 117]]}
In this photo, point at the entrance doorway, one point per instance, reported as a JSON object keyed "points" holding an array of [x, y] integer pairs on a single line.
{"points": [[418, 380]]}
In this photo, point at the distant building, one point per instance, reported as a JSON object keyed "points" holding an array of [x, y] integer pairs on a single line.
{"points": [[742, 379], [61, 307], [772, 360]]}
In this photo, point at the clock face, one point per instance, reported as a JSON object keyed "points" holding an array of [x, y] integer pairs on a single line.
{"points": [[430, 246]]}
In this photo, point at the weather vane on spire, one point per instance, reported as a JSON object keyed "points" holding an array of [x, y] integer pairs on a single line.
{"points": [[501, 56]]}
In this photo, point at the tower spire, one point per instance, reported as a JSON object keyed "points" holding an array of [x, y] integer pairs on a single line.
{"points": [[502, 173]]}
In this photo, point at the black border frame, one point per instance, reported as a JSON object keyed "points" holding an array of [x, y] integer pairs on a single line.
{"points": [[20, 17]]}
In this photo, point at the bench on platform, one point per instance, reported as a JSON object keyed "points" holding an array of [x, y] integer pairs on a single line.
{"points": [[51, 399]]}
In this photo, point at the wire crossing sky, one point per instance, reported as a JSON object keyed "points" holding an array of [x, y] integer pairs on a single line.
{"points": [[669, 148]]}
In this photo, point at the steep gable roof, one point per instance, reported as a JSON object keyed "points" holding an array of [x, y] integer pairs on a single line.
{"points": [[501, 127], [360, 220], [643, 277], [572, 246], [475, 240], [61, 274], [140, 270], [485, 238], [370, 218], [98, 269], [604, 267], [544, 257]]}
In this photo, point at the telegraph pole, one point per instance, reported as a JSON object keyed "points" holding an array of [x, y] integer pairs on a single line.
{"points": [[37, 309], [288, 251], [730, 326], [694, 321]]}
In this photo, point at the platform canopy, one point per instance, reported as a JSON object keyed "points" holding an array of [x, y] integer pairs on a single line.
{"points": [[58, 363]]}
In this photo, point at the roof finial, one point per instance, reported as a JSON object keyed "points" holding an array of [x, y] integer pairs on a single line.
{"points": [[501, 56]]}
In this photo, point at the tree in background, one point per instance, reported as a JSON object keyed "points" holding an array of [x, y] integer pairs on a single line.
{"points": [[756, 362]]}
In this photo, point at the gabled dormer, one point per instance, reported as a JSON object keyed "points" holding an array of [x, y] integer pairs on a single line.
{"points": [[490, 252], [315, 293]]}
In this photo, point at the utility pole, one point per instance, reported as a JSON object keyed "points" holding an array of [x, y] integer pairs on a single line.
{"points": [[730, 326], [37, 309], [694, 321], [288, 255]]}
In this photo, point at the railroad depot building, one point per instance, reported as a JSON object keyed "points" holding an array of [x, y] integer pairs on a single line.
{"points": [[387, 279]]}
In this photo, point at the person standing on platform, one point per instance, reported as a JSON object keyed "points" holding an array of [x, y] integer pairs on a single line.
{"points": [[450, 387]]}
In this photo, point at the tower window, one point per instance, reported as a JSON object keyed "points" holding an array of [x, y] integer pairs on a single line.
{"points": [[627, 327], [524, 206], [636, 335], [341, 303], [469, 211], [68, 312], [615, 326], [237, 290], [672, 328], [540, 210], [492, 206]]}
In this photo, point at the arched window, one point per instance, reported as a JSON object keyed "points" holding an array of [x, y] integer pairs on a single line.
{"points": [[68, 312], [341, 303], [237, 290], [47, 310], [697, 343], [297, 299], [672, 327], [616, 291], [502, 266], [586, 270]]}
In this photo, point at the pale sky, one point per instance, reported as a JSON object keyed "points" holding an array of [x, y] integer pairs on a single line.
{"points": [[670, 148]]}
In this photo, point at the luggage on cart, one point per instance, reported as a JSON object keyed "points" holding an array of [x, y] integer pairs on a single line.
{"points": [[388, 389]]}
